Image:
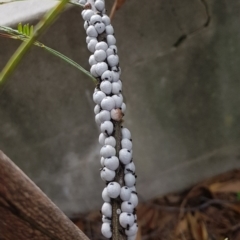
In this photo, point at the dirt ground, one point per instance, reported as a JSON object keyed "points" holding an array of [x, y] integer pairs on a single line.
{"points": [[209, 210]]}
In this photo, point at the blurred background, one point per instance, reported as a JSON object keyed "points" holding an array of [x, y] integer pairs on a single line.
{"points": [[180, 71]]}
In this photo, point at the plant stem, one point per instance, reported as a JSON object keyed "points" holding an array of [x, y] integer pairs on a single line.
{"points": [[14, 34], [45, 22], [120, 179]]}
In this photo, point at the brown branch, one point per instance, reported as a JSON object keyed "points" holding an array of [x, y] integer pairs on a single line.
{"points": [[116, 204], [26, 212]]}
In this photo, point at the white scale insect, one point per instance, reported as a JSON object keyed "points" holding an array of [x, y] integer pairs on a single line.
{"points": [[109, 108]]}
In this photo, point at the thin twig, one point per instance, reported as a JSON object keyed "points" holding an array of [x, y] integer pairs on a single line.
{"points": [[120, 179], [13, 34], [45, 22]]}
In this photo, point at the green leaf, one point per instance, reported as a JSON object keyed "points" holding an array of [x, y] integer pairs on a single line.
{"points": [[24, 29], [27, 30], [20, 27], [31, 31]]}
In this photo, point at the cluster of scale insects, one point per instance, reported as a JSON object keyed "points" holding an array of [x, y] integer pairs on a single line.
{"points": [[109, 110]]}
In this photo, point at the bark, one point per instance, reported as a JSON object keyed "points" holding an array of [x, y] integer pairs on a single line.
{"points": [[26, 212]]}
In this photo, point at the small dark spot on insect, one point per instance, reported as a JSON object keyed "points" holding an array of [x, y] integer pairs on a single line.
{"points": [[129, 170], [134, 212], [100, 14]]}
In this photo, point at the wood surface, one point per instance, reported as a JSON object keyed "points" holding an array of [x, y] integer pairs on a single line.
{"points": [[26, 212]]}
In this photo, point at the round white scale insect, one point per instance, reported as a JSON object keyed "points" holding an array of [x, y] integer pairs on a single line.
{"points": [[112, 50], [116, 76], [107, 76], [118, 100], [132, 231], [100, 27], [111, 40], [106, 87], [106, 209], [101, 46], [126, 220], [125, 193], [108, 103], [107, 175], [133, 189], [97, 120], [86, 25], [110, 140], [123, 107], [88, 39], [92, 32], [106, 20], [125, 156], [102, 138], [108, 151], [106, 219], [106, 230], [129, 179], [104, 115], [95, 18], [126, 133], [116, 114], [91, 46], [102, 161], [111, 163], [113, 60], [134, 199], [101, 67], [87, 14], [92, 60], [117, 87], [126, 143], [105, 196], [129, 168], [107, 127], [98, 96], [99, 5], [97, 109], [99, 55], [127, 207], [113, 189], [93, 70], [109, 30], [120, 83], [118, 211], [116, 69]]}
